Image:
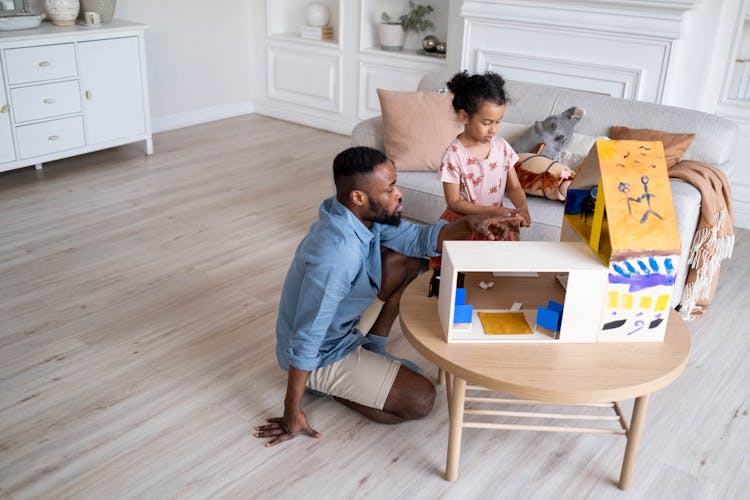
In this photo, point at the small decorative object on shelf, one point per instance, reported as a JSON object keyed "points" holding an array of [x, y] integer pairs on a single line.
{"points": [[20, 21], [429, 43], [391, 33], [317, 32], [105, 8], [317, 14], [431, 46], [62, 12]]}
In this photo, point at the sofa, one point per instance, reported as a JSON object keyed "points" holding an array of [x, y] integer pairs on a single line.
{"points": [[714, 142]]}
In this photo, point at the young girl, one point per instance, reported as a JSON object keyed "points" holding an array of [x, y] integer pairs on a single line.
{"points": [[477, 168]]}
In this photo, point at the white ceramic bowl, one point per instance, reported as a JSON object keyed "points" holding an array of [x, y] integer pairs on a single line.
{"points": [[20, 22]]}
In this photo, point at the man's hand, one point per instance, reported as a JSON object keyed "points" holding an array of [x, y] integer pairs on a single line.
{"points": [[285, 428], [494, 227]]}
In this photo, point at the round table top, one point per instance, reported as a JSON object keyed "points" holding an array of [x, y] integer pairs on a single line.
{"points": [[551, 372]]}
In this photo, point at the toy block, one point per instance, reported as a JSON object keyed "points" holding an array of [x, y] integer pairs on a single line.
{"points": [[558, 308], [463, 313], [548, 318], [555, 306], [460, 296]]}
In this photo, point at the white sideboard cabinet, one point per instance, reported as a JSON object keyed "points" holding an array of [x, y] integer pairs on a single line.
{"points": [[71, 90]]}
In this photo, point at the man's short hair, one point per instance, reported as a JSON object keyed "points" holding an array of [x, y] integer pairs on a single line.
{"points": [[352, 164]]}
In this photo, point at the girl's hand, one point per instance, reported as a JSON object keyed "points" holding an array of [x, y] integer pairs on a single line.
{"points": [[493, 228], [504, 212], [526, 217]]}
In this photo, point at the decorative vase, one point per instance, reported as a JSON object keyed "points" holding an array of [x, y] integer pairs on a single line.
{"points": [[391, 37], [105, 8], [62, 12], [317, 14]]}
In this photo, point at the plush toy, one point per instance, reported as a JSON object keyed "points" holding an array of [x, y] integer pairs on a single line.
{"points": [[547, 137], [540, 176]]}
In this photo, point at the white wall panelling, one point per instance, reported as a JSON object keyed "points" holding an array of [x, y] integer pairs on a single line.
{"points": [[310, 79], [739, 111], [639, 36], [612, 80], [334, 83], [374, 75]]}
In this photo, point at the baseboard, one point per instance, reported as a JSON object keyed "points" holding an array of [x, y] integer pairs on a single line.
{"points": [[741, 204], [741, 214], [204, 115], [297, 114]]}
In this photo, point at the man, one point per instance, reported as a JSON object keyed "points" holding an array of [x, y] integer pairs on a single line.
{"points": [[339, 280]]}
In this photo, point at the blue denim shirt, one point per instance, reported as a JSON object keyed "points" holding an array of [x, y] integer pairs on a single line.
{"points": [[334, 276]]}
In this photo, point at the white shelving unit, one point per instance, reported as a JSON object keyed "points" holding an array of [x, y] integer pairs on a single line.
{"points": [[332, 84]]}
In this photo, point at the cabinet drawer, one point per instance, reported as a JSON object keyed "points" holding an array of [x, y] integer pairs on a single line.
{"points": [[50, 137], [45, 101], [45, 62]]}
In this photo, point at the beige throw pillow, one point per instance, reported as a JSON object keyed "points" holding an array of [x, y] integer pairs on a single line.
{"points": [[675, 145], [417, 128]]}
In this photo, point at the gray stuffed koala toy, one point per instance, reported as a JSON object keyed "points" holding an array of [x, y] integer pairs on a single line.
{"points": [[554, 132]]}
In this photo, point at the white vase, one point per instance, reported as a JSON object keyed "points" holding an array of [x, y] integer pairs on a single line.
{"points": [[105, 8], [62, 12], [317, 14], [391, 37]]}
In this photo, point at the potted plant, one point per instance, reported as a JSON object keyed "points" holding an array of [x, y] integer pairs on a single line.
{"points": [[392, 31], [416, 18]]}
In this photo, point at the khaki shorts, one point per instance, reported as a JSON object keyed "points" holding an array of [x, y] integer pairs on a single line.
{"points": [[362, 376]]}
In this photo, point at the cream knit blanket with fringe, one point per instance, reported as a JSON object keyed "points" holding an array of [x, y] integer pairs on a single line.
{"points": [[714, 237]]}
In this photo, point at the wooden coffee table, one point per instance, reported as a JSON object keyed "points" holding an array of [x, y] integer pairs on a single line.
{"points": [[595, 375]]}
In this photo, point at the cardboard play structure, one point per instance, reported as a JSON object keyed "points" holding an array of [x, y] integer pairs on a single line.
{"points": [[617, 258]]}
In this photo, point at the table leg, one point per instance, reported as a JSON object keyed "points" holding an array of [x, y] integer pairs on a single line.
{"points": [[456, 412], [441, 376], [634, 439]]}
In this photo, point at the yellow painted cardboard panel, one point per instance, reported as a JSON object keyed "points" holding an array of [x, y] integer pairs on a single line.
{"points": [[638, 197], [504, 323]]}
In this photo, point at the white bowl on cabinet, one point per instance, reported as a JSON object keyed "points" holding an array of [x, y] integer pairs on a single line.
{"points": [[19, 22]]}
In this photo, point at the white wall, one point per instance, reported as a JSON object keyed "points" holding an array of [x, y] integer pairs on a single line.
{"points": [[200, 58]]}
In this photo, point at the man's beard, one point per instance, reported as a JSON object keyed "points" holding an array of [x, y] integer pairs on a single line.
{"points": [[382, 216]]}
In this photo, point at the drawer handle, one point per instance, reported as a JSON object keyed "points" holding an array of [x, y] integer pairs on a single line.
{"points": [[5, 108], [44, 63], [53, 137], [88, 95], [49, 101]]}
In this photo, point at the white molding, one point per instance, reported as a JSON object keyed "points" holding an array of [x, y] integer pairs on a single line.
{"points": [[203, 115], [617, 81], [741, 205], [314, 67], [395, 78], [305, 116], [649, 19]]}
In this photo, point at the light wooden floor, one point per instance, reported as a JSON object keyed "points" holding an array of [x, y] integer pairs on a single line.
{"points": [[137, 308]]}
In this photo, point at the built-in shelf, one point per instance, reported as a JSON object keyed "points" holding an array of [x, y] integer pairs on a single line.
{"points": [[370, 16], [296, 38], [285, 19], [405, 55]]}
